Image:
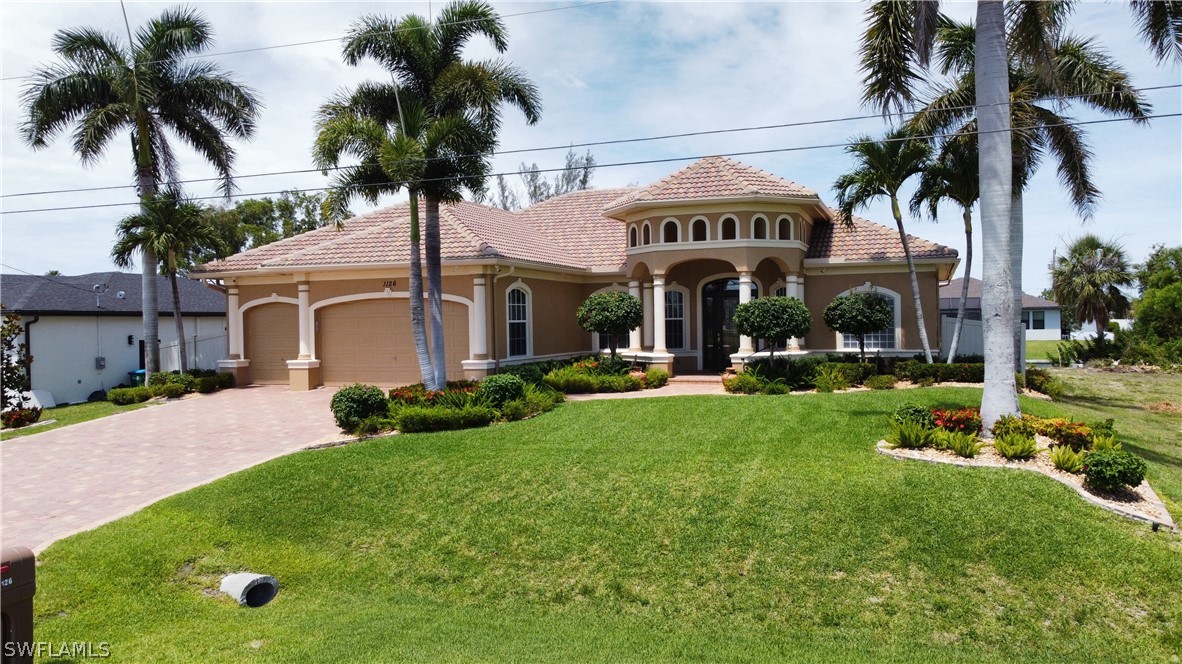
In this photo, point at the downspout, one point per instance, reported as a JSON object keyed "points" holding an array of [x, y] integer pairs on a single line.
{"points": [[29, 348], [493, 299]]}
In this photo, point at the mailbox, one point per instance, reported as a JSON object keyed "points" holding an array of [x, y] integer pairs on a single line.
{"points": [[18, 583]]}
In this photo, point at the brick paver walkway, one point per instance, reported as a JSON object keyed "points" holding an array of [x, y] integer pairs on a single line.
{"points": [[75, 478]]}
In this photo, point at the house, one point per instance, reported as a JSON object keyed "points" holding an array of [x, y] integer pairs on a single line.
{"points": [[1041, 316], [85, 332], [330, 306]]}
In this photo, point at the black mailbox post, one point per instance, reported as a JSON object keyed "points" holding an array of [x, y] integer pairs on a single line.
{"points": [[18, 583]]}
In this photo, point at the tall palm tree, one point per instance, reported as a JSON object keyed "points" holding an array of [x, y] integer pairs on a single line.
{"points": [[174, 230], [397, 145], [1087, 281], [151, 87], [952, 176], [896, 49], [880, 169], [426, 58]]}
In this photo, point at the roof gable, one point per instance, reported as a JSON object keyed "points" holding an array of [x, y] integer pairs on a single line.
{"points": [[715, 177]]}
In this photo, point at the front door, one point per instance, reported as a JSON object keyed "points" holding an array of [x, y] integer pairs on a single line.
{"points": [[720, 338]]}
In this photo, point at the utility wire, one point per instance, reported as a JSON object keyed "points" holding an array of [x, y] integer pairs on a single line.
{"points": [[337, 39], [88, 291], [571, 146], [641, 162]]}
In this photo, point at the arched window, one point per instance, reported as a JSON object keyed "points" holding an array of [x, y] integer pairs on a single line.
{"points": [[647, 235], [698, 230], [782, 291], [632, 237], [670, 231], [729, 229], [884, 338], [784, 229], [674, 320], [759, 228], [517, 302]]}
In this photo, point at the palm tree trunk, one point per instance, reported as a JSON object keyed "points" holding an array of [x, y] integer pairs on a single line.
{"points": [[923, 331], [1016, 233], [435, 290], [180, 322], [418, 321], [995, 157], [150, 300], [964, 285]]}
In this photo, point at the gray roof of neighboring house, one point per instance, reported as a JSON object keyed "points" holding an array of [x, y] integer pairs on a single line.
{"points": [[66, 295], [950, 297]]}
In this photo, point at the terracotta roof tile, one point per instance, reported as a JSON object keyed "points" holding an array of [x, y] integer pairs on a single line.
{"points": [[866, 240], [715, 177]]}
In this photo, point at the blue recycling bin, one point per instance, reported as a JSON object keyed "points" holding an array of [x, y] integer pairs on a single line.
{"points": [[137, 377]]}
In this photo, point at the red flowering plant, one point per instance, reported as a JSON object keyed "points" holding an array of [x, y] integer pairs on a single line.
{"points": [[967, 420], [1076, 435]]}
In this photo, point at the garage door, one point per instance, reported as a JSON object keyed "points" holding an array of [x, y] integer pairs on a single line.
{"points": [[272, 337], [369, 341]]}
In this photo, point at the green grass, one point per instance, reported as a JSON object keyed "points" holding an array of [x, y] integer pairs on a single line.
{"points": [[73, 414], [1040, 350], [700, 528]]}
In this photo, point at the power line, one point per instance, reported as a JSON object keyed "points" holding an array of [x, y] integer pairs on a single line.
{"points": [[708, 132], [337, 39], [402, 183], [50, 279]]}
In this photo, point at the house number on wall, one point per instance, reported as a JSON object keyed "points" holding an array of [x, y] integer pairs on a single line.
{"points": [[389, 284]]}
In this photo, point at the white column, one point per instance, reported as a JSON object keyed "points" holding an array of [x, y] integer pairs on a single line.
{"points": [[233, 342], [659, 314], [478, 343], [745, 297], [648, 315], [798, 343], [790, 285], [305, 323], [634, 336]]}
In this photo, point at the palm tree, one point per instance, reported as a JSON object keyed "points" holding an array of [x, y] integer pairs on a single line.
{"points": [[1087, 281], [897, 47], [149, 86], [880, 169], [426, 58], [398, 145], [174, 230], [952, 176]]}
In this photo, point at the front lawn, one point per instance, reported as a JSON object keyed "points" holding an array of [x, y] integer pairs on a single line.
{"points": [[71, 414], [1041, 349], [707, 528]]}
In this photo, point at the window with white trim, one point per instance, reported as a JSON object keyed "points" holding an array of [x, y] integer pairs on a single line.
{"points": [[670, 232], [784, 228], [1035, 320], [759, 228], [622, 341], [729, 229], [698, 230], [648, 234], [632, 237], [674, 320], [884, 338], [517, 301]]}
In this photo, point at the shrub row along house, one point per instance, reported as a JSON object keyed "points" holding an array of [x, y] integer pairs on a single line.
{"points": [[330, 306]]}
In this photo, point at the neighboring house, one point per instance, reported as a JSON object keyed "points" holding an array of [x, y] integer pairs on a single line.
{"points": [[85, 333], [1040, 316], [330, 306]]}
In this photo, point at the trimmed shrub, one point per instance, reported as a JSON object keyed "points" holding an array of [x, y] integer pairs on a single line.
{"points": [[1067, 459], [967, 420], [1110, 470], [940, 373], [19, 417], [419, 419], [961, 443], [883, 382], [207, 384], [570, 380], [1013, 425], [617, 384], [855, 373], [189, 380], [910, 435], [915, 413], [372, 425], [1043, 382], [354, 403], [501, 388], [531, 373], [125, 396], [654, 378], [168, 390], [514, 410], [745, 382], [830, 378], [1014, 446], [925, 382], [226, 380]]}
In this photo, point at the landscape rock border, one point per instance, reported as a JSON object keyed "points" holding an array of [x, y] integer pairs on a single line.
{"points": [[1159, 516]]}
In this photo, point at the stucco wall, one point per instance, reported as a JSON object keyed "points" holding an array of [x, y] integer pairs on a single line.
{"points": [[64, 349], [820, 289]]}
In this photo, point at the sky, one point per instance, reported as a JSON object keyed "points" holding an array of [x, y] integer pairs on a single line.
{"points": [[608, 71]]}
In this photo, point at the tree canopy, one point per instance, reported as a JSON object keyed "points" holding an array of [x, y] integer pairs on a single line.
{"points": [[612, 313], [773, 319], [859, 314]]}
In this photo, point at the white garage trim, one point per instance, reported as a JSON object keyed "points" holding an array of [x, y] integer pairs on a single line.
{"points": [[394, 295]]}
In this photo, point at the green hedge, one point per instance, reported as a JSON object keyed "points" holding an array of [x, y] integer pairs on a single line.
{"points": [[418, 419], [855, 373], [125, 396], [168, 390], [962, 372]]}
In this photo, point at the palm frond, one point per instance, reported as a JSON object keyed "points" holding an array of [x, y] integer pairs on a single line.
{"points": [[887, 57], [96, 128], [58, 96], [1160, 25], [203, 87], [1071, 151], [89, 47], [177, 32], [485, 86], [460, 21], [1032, 29], [956, 47], [1084, 68], [204, 137]]}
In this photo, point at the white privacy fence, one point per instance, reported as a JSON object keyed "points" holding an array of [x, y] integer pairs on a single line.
{"points": [[204, 352], [972, 337]]}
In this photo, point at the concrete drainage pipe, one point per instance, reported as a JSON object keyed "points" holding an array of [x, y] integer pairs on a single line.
{"points": [[248, 589]]}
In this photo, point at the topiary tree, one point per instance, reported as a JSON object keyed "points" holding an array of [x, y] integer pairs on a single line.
{"points": [[611, 313], [773, 319], [858, 314]]}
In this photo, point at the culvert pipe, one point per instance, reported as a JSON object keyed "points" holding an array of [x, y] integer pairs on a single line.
{"points": [[249, 589]]}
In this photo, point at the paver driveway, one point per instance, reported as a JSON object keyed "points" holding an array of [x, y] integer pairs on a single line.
{"points": [[78, 477]]}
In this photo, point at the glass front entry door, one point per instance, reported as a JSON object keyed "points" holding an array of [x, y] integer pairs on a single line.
{"points": [[720, 338]]}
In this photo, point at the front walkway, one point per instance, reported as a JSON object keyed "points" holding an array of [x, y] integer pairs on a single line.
{"points": [[79, 477]]}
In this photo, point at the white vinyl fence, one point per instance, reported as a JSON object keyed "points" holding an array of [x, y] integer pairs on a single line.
{"points": [[972, 337], [204, 352]]}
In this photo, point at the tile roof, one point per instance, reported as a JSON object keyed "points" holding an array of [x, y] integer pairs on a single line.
{"points": [[28, 294], [868, 241], [715, 177], [952, 292]]}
